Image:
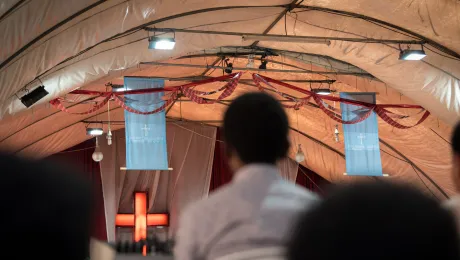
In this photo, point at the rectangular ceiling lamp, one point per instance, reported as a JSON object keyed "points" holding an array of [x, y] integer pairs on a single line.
{"points": [[34, 96], [271, 38], [156, 43], [94, 131], [322, 91], [412, 55]]}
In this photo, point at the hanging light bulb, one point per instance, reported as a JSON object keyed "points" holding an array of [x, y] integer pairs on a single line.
{"points": [[300, 156], [97, 154], [337, 133], [109, 137], [250, 63], [109, 133]]}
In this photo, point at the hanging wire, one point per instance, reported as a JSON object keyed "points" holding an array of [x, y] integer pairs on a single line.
{"points": [[190, 130], [77, 150], [298, 134]]}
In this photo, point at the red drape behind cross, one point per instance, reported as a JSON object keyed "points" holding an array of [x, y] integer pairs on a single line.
{"points": [[79, 158]]}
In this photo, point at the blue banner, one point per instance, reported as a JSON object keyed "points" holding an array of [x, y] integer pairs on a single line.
{"points": [[362, 149], [146, 147]]}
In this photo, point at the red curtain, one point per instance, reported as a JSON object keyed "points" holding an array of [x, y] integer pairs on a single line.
{"points": [[311, 180], [222, 175], [79, 157]]}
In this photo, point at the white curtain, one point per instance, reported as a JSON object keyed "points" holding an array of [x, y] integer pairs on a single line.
{"points": [[288, 169], [190, 154]]}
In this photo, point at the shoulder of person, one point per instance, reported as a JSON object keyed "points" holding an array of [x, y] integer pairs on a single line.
{"points": [[209, 203], [296, 190]]}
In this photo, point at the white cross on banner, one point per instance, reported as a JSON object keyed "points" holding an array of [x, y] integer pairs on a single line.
{"points": [[145, 134]]}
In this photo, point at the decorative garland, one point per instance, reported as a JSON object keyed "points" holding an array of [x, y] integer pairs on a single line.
{"points": [[185, 89], [229, 88], [380, 110]]}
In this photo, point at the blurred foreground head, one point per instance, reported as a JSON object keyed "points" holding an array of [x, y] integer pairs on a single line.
{"points": [[375, 221], [456, 156], [45, 210], [255, 130]]}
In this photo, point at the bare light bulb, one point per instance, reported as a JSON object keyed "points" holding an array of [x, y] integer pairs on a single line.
{"points": [[97, 154], [300, 156], [250, 63], [109, 137], [336, 134]]}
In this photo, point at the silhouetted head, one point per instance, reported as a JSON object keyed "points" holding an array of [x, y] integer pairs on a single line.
{"points": [[456, 157], [255, 130], [375, 221], [45, 210]]}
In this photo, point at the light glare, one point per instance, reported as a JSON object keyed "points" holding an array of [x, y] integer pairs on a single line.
{"points": [[161, 43], [94, 131]]}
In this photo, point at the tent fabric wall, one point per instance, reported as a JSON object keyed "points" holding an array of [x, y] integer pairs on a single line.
{"points": [[190, 151], [44, 130], [433, 83]]}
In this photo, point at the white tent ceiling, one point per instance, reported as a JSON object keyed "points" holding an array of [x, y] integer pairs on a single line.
{"points": [[84, 44]]}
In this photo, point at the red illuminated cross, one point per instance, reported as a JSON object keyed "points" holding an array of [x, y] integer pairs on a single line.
{"points": [[140, 220]]}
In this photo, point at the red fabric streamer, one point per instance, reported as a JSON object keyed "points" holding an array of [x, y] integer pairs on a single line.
{"points": [[299, 102], [382, 113], [333, 115], [229, 88], [342, 100], [380, 110], [120, 101], [57, 104]]}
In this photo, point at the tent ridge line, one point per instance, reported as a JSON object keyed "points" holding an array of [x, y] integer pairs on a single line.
{"points": [[140, 27], [41, 119], [60, 129], [11, 10], [277, 19], [50, 30], [271, 61]]}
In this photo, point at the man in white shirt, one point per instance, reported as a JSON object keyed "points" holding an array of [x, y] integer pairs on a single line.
{"points": [[253, 214]]}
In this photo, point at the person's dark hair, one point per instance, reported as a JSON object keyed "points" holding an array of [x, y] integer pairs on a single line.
{"points": [[456, 140], [256, 128], [375, 221], [46, 210]]}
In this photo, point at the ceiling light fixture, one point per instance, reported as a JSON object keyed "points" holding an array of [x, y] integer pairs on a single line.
{"points": [[157, 43], [34, 96], [94, 131], [228, 66], [409, 54], [268, 38], [263, 65], [322, 91], [412, 55], [250, 61], [117, 88]]}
